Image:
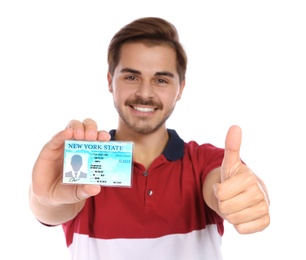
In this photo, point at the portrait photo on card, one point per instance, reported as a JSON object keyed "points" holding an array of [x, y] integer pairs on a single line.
{"points": [[75, 166]]}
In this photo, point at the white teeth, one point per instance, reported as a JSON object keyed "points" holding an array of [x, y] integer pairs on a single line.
{"points": [[144, 109]]}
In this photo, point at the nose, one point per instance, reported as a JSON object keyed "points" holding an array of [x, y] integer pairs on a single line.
{"points": [[145, 90]]}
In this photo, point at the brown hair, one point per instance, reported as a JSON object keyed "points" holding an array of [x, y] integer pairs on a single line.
{"points": [[151, 31]]}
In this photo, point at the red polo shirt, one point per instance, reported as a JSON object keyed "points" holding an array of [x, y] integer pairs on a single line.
{"points": [[164, 200]]}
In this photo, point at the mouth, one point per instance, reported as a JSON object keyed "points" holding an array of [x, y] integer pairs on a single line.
{"points": [[144, 109]]}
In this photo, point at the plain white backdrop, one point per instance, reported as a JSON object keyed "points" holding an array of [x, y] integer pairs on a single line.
{"points": [[247, 66]]}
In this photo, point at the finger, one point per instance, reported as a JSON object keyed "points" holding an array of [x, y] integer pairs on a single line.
{"points": [[237, 184], [85, 191], [103, 136], [91, 129], [231, 158], [86, 130], [45, 171], [235, 195], [71, 194], [53, 150], [248, 214], [253, 226], [78, 129]]}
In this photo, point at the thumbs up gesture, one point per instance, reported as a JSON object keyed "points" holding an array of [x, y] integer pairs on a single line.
{"points": [[242, 196]]}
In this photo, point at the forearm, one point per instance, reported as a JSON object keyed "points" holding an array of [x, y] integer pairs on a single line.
{"points": [[51, 214]]}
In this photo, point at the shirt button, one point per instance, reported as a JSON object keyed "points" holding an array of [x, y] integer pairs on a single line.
{"points": [[145, 174], [150, 192]]}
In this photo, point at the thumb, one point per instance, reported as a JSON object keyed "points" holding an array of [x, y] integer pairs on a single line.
{"points": [[231, 158], [85, 191]]}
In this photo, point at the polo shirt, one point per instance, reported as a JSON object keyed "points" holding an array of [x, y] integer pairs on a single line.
{"points": [[162, 216]]}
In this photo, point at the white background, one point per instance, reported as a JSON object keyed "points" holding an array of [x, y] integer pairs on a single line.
{"points": [[247, 66]]}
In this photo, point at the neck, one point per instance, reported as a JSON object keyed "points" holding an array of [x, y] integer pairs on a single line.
{"points": [[147, 146]]}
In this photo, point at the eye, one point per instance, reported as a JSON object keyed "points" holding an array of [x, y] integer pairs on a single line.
{"points": [[161, 81], [130, 77]]}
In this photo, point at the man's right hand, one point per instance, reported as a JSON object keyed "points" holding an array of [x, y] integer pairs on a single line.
{"points": [[51, 201]]}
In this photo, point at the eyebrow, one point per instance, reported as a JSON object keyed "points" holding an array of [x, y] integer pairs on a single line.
{"points": [[160, 73]]}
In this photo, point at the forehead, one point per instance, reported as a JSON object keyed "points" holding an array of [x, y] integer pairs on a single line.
{"points": [[145, 57]]}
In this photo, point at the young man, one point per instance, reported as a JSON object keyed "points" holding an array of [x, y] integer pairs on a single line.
{"points": [[181, 192]]}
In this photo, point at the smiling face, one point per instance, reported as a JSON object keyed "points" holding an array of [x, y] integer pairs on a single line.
{"points": [[145, 86]]}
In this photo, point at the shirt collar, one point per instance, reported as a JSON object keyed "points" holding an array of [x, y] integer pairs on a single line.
{"points": [[174, 149], [76, 173]]}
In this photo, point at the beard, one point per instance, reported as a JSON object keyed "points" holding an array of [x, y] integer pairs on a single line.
{"points": [[143, 125]]}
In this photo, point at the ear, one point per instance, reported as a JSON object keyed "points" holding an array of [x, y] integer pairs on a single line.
{"points": [[110, 80], [181, 90]]}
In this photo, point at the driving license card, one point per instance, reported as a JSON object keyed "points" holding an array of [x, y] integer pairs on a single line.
{"points": [[95, 162]]}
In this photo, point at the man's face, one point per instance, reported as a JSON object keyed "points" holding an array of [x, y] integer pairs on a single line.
{"points": [[76, 163], [145, 86]]}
